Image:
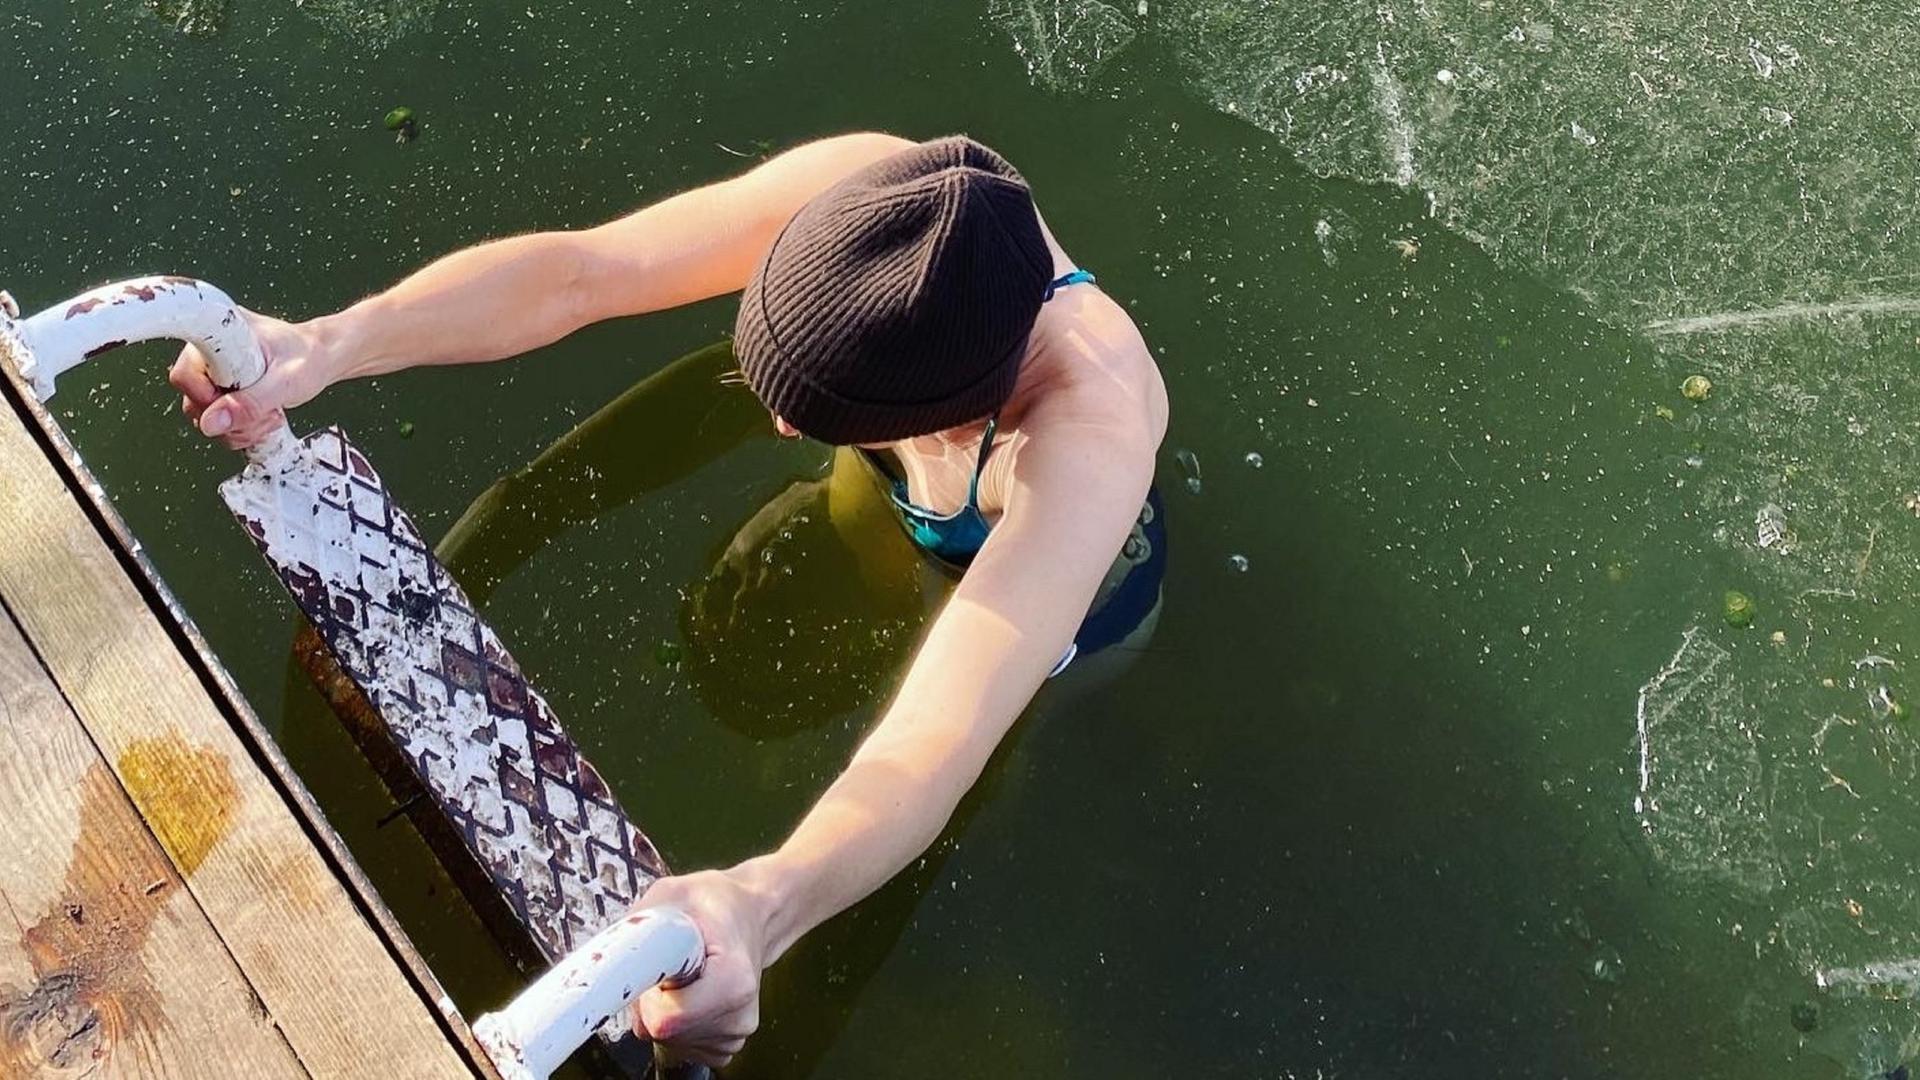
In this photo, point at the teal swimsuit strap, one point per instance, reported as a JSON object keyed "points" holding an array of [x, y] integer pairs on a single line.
{"points": [[980, 463], [955, 538], [1071, 277], [1075, 276]]}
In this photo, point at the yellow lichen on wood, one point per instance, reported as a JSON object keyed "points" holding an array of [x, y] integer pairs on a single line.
{"points": [[185, 793], [110, 968]]}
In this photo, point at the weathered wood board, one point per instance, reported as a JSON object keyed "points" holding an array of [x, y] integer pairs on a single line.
{"points": [[317, 973], [113, 969]]}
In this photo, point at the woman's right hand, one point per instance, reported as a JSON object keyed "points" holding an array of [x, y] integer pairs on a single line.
{"points": [[298, 367]]}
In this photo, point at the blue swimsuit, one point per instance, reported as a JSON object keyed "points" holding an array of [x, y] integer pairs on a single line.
{"points": [[1126, 598]]}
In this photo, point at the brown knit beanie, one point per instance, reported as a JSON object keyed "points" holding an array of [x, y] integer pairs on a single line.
{"points": [[898, 301]]}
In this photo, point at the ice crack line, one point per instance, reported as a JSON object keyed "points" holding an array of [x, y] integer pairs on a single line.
{"points": [[1395, 131], [1727, 320], [1642, 802]]}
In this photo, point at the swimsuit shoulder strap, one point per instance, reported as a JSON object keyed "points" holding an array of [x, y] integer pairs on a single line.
{"points": [[1075, 276], [980, 463]]}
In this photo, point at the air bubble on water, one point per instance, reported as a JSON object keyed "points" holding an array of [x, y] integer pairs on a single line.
{"points": [[1238, 562], [1189, 463], [1606, 965], [1576, 925], [1694, 461], [1254, 459], [1444, 75]]}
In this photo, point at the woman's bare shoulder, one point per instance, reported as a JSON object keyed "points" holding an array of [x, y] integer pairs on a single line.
{"points": [[1091, 365]]}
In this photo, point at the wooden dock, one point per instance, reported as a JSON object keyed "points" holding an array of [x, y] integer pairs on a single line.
{"points": [[174, 903]]}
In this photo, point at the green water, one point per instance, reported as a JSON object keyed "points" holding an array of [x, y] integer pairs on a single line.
{"points": [[1366, 808]]}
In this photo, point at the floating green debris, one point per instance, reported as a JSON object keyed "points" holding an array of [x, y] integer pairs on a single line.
{"points": [[406, 429], [1805, 1016], [400, 121], [1696, 388], [1896, 711], [1663, 412], [667, 653], [1739, 608]]}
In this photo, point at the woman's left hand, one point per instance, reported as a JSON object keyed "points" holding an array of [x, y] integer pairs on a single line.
{"points": [[709, 1019]]}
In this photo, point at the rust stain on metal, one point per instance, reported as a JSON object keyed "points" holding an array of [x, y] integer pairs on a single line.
{"points": [[108, 347], [90, 992], [362, 469], [83, 307], [144, 292], [186, 794]]}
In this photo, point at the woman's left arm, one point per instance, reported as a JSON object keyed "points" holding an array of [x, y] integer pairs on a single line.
{"points": [[1077, 487]]}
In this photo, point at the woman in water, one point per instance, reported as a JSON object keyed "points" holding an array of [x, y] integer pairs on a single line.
{"points": [[903, 299]]}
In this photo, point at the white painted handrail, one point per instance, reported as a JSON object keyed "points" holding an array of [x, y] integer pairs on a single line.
{"points": [[588, 988], [67, 334], [591, 986]]}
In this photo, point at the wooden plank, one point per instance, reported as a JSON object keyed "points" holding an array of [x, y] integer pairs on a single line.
{"points": [[316, 964], [200, 658], [113, 969]]}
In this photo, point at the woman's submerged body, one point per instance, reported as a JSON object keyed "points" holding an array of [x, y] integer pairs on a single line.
{"points": [[1062, 489]]}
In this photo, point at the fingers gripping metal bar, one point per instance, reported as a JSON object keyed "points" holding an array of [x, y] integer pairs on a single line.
{"points": [[589, 987], [549, 857], [67, 334]]}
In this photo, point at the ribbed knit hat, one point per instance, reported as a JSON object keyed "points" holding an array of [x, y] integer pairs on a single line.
{"points": [[898, 301]]}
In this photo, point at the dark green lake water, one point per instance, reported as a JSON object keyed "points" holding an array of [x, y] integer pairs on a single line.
{"points": [[1463, 775]]}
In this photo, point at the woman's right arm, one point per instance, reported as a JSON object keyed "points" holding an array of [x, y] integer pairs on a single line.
{"points": [[505, 297]]}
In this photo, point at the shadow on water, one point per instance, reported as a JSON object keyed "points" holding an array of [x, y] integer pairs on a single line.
{"points": [[793, 626]]}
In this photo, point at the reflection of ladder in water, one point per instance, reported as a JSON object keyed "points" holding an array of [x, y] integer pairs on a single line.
{"points": [[555, 848]]}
